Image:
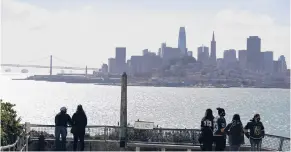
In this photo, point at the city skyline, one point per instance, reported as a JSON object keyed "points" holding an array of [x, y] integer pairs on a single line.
{"points": [[73, 32]]}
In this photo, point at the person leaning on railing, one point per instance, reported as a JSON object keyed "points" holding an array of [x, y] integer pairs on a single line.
{"points": [[256, 133], [62, 120]]}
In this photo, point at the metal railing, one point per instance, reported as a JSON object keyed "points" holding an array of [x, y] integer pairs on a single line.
{"points": [[156, 135]]}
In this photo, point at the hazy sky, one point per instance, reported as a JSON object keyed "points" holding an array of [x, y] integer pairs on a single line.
{"points": [[86, 32]]}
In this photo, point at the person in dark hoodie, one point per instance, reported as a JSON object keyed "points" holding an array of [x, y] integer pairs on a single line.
{"points": [[62, 120], [206, 137], [218, 132], [79, 124], [256, 133], [235, 132]]}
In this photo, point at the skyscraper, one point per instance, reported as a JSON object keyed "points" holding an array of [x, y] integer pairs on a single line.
{"points": [[213, 50], [203, 54], [254, 56], [229, 59], [120, 57], [111, 65], [268, 65], [242, 58], [182, 41], [282, 64]]}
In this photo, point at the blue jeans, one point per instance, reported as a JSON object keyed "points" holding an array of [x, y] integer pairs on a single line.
{"points": [[256, 144], [60, 131], [234, 147]]}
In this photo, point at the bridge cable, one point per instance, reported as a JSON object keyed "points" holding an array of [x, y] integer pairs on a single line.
{"points": [[66, 62], [43, 58]]}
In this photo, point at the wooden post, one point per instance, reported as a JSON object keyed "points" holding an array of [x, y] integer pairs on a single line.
{"points": [[123, 112], [51, 65]]}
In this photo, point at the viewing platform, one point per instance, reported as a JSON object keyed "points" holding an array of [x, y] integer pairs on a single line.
{"points": [[106, 138]]}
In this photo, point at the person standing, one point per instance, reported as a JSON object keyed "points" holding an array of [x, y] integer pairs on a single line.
{"points": [[235, 132], [218, 132], [79, 124], [206, 137], [256, 133], [62, 120]]}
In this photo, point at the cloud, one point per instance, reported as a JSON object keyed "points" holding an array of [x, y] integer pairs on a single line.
{"points": [[89, 34]]}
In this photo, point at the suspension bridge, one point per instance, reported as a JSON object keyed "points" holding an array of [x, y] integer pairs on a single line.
{"points": [[50, 66]]}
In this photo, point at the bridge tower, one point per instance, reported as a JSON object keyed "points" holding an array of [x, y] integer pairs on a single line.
{"points": [[51, 65]]}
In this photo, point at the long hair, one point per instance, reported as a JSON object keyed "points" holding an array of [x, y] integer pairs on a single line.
{"points": [[80, 110], [208, 114], [236, 118]]}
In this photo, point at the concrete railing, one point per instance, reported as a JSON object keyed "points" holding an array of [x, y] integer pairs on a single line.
{"points": [[158, 136]]}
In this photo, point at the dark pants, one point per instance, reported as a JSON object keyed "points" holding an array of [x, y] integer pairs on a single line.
{"points": [[234, 147], [207, 146], [256, 144], [60, 131], [78, 136], [220, 143]]}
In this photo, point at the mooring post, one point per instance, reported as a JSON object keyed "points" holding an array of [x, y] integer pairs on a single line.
{"points": [[123, 112], [27, 131]]}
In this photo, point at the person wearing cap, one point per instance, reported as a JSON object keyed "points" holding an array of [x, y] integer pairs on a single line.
{"points": [[218, 131], [256, 133], [62, 120]]}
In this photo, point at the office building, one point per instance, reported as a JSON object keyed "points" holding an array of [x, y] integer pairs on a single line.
{"points": [[104, 68], [268, 64], [229, 59], [120, 57], [190, 53], [169, 53], [112, 65], [182, 41], [254, 56], [242, 58], [282, 66], [203, 54], [213, 51]]}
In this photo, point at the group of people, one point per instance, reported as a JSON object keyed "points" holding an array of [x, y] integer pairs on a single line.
{"points": [[78, 123], [215, 130]]}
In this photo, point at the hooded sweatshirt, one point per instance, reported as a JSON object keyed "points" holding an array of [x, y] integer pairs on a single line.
{"points": [[235, 132], [256, 129]]}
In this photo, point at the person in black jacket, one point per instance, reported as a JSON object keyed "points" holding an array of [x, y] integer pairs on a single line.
{"points": [[235, 132], [256, 133], [62, 120], [218, 132], [79, 125], [206, 137]]}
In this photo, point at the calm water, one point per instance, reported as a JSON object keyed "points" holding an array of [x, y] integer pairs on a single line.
{"points": [[38, 102]]}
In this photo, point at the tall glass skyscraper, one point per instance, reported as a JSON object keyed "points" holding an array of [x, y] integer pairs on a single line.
{"points": [[182, 41]]}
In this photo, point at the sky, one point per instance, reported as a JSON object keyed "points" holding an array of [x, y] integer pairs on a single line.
{"points": [[86, 32]]}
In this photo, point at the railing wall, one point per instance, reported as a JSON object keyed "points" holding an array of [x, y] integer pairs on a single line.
{"points": [[157, 135]]}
